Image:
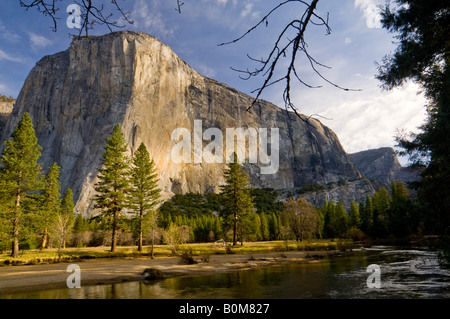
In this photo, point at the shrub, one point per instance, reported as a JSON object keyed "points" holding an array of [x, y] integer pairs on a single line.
{"points": [[356, 234]]}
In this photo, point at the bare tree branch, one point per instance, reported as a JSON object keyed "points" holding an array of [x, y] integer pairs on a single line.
{"points": [[282, 49], [92, 13], [46, 8], [179, 5]]}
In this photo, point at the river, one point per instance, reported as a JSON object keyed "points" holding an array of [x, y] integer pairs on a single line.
{"points": [[404, 273]]}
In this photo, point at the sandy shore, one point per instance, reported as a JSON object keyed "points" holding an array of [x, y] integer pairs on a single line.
{"points": [[93, 272]]}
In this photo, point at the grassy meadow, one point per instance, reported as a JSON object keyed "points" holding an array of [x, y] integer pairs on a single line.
{"points": [[50, 255]]}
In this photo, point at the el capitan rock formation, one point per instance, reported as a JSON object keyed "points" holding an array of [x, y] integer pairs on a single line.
{"points": [[75, 97]]}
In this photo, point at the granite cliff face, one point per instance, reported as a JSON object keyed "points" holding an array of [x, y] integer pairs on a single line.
{"points": [[75, 98], [381, 165], [6, 108]]}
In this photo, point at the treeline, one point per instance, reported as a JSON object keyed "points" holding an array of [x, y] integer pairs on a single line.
{"points": [[385, 214], [34, 214], [196, 218], [4, 98], [32, 210], [31, 206]]}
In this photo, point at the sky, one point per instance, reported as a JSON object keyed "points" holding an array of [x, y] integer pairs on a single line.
{"points": [[366, 118]]}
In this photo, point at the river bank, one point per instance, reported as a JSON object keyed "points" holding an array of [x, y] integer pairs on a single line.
{"points": [[106, 271]]}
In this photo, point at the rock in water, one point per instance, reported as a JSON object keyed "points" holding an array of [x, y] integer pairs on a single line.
{"points": [[75, 98]]}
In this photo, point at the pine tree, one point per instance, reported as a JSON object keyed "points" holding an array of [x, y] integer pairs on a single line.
{"points": [[400, 193], [274, 227], [50, 202], [113, 181], [264, 227], [144, 192], [367, 217], [342, 220], [67, 206], [400, 211], [381, 203], [355, 219], [423, 55], [67, 210], [20, 174], [329, 226], [238, 201]]}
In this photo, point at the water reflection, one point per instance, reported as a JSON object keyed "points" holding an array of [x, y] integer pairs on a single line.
{"points": [[404, 274]]}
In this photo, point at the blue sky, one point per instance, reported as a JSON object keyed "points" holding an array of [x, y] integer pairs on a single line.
{"points": [[365, 119]]}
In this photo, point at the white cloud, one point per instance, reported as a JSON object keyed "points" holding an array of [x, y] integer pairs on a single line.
{"points": [[7, 34], [38, 41], [371, 12], [347, 40], [150, 19], [5, 56], [247, 10], [373, 121], [222, 2], [205, 70]]}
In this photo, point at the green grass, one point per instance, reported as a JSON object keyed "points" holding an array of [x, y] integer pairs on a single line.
{"points": [[38, 256]]}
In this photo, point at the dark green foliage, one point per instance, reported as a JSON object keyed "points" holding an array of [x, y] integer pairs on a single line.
{"points": [[355, 218], [50, 202], [112, 186], [265, 200], [366, 212], [144, 193], [201, 213], [311, 188], [342, 220], [423, 55], [20, 175], [329, 213], [193, 205], [81, 224], [238, 200], [67, 206], [381, 203]]}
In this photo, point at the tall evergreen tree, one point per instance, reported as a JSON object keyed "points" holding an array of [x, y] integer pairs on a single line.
{"points": [[264, 227], [50, 202], [329, 226], [367, 215], [238, 201], [399, 191], [400, 212], [20, 174], [112, 186], [342, 220], [423, 55], [381, 203], [68, 212], [67, 206], [355, 218], [144, 192]]}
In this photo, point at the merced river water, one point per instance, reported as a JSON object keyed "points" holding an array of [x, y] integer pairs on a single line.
{"points": [[404, 273]]}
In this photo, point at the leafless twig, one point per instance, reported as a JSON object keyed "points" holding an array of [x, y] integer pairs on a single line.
{"points": [[268, 66], [179, 5], [92, 13], [46, 8]]}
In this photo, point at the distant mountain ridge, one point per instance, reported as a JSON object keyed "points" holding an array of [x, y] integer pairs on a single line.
{"points": [[382, 165]]}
